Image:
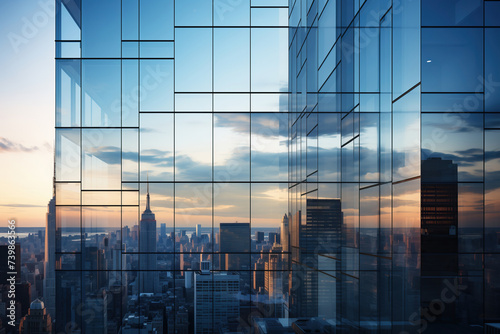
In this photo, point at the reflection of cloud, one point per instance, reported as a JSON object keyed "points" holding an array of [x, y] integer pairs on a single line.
{"points": [[9, 146]]}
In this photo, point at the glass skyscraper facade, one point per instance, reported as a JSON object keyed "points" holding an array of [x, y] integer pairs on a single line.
{"points": [[392, 112], [169, 113], [277, 166]]}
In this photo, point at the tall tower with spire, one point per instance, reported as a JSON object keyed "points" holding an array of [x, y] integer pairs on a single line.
{"points": [[149, 278], [49, 280]]}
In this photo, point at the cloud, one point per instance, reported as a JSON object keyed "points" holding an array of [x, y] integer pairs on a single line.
{"points": [[9, 146], [22, 206]]}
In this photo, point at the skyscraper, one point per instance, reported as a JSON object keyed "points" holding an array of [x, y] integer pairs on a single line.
{"points": [[37, 321], [49, 280], [285, 233], [149, 278], [234, 246], [216, 300]]}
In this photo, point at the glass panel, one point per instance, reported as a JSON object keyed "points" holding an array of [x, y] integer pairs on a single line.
{"points": [[231, 60], [67, 193], [492, 191], [369, 220], [193, 206], [68, 93], [492, 70], [269, 62], [157, 85], [231, 102], [492, 13], [101, 93], [231, 13], [269, 17], [452, 13], [130, 155], [268, 143], [130, 228], [406, 134], [68, 20], [193, 154], [231, 204], [452, 102], [470, 217], [130, 92], [157, 147], [193, 13], [101, 29], [68, 156], [193, 60], [157, 20], [157, 49], [492, 121], [269, 102], [68, 49], [130, 49], [406, 219], [101, 228], [232, 147], [130, 19], [269, 202], [327, 30], [369, 147], [456, 139], [101, 159], [68, 229], [329, 147], [452, 60], [101, 198], [193, 102], [406, 47]]}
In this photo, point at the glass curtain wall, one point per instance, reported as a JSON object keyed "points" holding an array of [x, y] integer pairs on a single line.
{"points": [[393, 121], [171, 154]]}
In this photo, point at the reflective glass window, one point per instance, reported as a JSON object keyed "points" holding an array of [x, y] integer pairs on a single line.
{"points": [[231, 60], [193, 60], [101, 93], [452, 59], [101, 159], [193, 157], [452, 13], [68, 93], [157, 147], [157, 85], [101, 28]]}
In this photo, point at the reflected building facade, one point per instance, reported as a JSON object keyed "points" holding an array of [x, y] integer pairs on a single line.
{"points": [[394, 112]]}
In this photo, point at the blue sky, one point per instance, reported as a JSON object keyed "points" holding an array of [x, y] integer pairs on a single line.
{"points": [[27, 107]]}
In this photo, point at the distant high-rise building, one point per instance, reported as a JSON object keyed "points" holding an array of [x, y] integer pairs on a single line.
{"points": [[216, 300], [148, 278], [274, 280], [316, 242], [274, 237], [198, 230], [259, 236], [234, 246], [285, 233], [439, 226], [49, 281], [37, 321], [163, 230]]}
